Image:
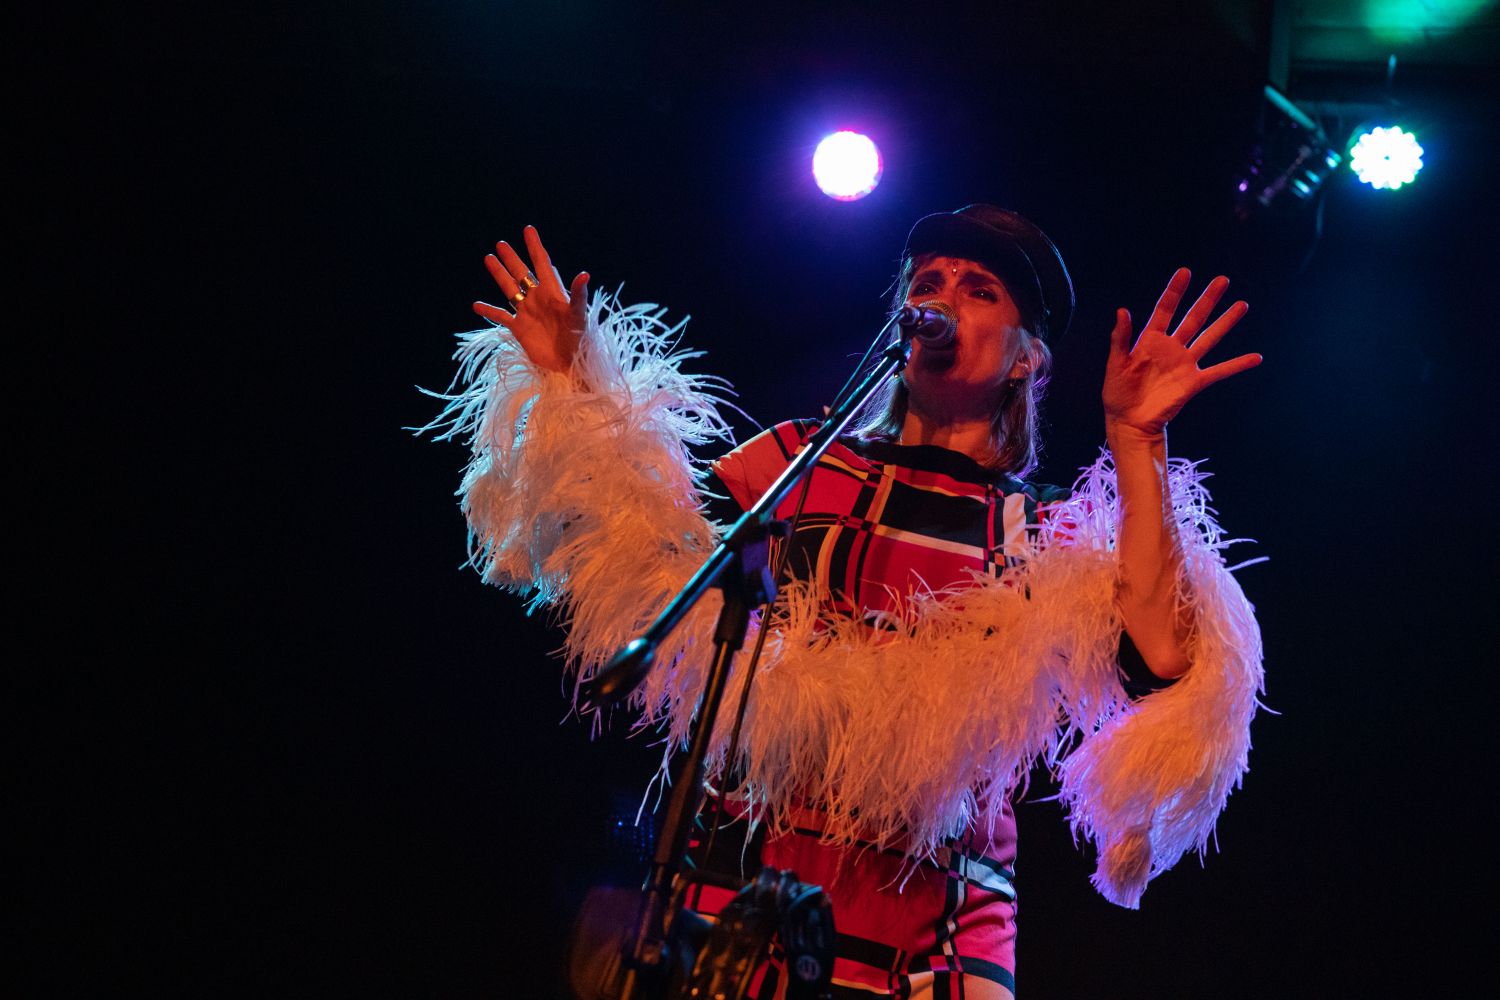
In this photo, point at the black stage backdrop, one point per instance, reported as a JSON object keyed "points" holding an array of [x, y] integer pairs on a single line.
{"points": [[302, 752]]}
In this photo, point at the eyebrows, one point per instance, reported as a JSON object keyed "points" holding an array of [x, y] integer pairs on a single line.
{"points": [[973, 274]]}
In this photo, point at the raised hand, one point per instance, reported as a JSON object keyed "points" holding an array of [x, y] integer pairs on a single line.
{"points": [[547, 319], [1148, 384]]}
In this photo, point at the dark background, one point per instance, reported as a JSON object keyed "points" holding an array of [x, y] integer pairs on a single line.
{"points": [[302, 752]]}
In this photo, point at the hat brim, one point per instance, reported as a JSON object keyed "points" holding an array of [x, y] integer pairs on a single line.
{"points": [[1018, 253]]}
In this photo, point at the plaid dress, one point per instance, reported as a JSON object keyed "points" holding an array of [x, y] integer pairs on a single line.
{"points": [[882, 520]]}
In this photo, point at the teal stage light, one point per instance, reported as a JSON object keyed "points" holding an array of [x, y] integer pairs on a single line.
{"points": [[1386, 158]]}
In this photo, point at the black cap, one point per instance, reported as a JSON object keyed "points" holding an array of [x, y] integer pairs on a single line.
{"points": [[1017, 252]]}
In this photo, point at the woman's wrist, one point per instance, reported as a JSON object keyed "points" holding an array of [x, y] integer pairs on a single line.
{"points": [[1122, 436]]}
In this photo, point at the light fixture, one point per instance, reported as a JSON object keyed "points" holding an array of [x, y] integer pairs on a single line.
{"points": [[1386, 157], [847, 165], [1290, 162]]}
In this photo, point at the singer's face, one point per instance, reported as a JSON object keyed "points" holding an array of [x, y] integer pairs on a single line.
{"points": [[971, 373]]}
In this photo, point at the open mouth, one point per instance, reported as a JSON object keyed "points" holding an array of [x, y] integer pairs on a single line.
{"points": [[936, 357]]}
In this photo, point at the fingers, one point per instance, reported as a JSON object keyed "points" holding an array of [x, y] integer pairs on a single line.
{"points": [[518, 269], [534, 247], [1221, 371], [510, 271], [579, 292], [1201, 310], [541, 260], [1119, 337], [504, 276], [579, 289], [494, 314], [1206, 341], [1161, 316], [512, 260]]}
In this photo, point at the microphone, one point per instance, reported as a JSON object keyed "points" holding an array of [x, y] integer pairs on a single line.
{"points": [[933, 323]]}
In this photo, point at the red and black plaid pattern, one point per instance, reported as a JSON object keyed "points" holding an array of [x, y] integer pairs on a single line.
{"points": [[880, 521], [883, 519], [946, 929], [942, 928]]}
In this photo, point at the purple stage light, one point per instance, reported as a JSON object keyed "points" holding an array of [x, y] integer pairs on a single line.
{"points": [[847, 166]]}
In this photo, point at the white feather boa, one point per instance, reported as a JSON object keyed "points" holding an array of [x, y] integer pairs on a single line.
{"points": [[581, 492], [1149, 784]]}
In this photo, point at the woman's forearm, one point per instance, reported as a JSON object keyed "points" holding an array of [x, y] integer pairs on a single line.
{"points": [[1148, 549]]}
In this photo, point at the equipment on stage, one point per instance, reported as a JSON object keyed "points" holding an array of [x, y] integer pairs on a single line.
{"points": [[710, 959], [933, 323], [681, 954]]}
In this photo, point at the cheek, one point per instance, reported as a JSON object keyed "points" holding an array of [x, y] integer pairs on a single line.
{"points": [[996, 350]]}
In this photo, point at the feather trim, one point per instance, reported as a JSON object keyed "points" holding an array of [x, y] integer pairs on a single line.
{"points": [[1150, 783], [581, 491], [912, 732]]}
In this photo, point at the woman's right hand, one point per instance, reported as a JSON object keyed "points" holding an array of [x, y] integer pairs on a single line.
{"points": [[548, 320]]}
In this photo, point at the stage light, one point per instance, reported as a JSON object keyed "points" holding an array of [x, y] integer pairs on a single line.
{"points": [[1386, 158], [1289, 164], [846, 166]]}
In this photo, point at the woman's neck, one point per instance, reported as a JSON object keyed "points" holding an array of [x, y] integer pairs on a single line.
{"points": [[966, 435]]}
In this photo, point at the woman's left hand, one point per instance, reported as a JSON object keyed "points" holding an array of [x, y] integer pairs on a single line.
{"points": [[1148, 384]]}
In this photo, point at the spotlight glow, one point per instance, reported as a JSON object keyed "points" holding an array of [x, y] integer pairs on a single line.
{"points": [[847, 166], [1386, 158]]}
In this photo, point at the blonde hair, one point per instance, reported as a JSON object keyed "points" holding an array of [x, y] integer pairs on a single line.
{"points": [[1016, 423]]}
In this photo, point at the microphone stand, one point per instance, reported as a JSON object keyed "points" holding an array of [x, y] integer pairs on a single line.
{"points": [[739, 566]]}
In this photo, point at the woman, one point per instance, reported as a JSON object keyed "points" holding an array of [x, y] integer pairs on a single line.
{"points": [[947, 614]]}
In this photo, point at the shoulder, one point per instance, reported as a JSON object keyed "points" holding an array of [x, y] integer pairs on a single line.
{"points": [[749, 469]]}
